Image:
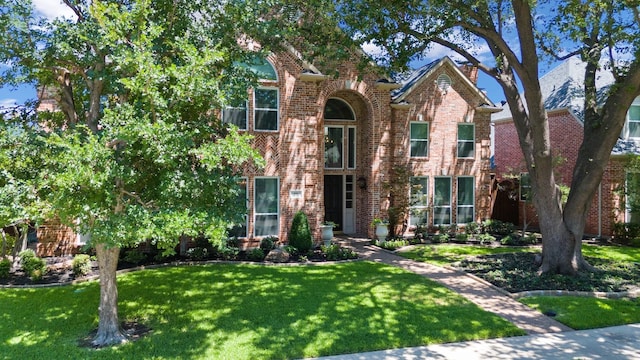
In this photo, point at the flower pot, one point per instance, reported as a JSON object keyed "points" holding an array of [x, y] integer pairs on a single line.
{"points": [[327, 234], [382, 230]]}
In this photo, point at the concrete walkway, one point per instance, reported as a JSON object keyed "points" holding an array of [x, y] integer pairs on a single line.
{"points": [[547, 339]]}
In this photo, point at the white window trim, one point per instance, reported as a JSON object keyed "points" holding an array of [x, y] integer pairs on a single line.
{"points": [[277, 109], [627, 134], [472, 141], [426, 123], [342, 155], [355, 147], [417, 207], [255, 212], [450, 199], [473, 198]]}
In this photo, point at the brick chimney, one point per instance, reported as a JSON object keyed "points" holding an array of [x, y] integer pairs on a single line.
{"points": [[471, 72]]}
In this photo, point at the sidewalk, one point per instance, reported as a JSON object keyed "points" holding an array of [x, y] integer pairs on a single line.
{"points": [[614, 343], [547, 339]]}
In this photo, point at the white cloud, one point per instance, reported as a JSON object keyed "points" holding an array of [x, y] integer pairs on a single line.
{"points": [[4, 103], [52, 9]]}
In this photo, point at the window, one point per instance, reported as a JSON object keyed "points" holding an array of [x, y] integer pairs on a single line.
{"points": [[444, 82], [442, 201], [261, 67], [633, 120], [240, 230], [419, 139], [266, 203], [265, 104], [336, 109], [632, 202], [351, 147], [466, 141], [525, 187], [465, 206], [418, 200], [236, 115], [333, 147]]}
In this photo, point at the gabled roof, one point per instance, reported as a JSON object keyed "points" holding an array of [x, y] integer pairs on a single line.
{"points": [[563, 88], [419, 75]]}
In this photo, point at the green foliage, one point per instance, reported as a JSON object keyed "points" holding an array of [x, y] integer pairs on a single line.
{"points": [[5, 268], [485, 239], [443, 237], [398, 187], [33, 266], [518, 240], [497, 227], [256, 254], [626, 234], [134, 256], [197, 253], [268, 243], [300, 233], [392, 244], [461, 238], [228, 252], [335, 252], [472, 228], [81, 265]]}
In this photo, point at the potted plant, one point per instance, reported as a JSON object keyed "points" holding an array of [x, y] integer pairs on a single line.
{"points": [[382, 229], [327, 231]]}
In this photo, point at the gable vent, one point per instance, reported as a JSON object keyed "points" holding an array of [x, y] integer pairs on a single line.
{"points": [[444, 82]]}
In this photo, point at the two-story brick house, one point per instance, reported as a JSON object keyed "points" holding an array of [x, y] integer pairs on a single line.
{"points": [[330, 143], [563, 90]]}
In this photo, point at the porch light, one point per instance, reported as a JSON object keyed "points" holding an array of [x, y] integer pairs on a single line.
{"points": [[362, 183]]}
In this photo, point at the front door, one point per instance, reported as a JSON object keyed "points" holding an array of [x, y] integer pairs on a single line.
{"points": [[333, 200]]}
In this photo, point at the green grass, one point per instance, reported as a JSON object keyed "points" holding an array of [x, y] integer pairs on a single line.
{"points": [[613, 253], [587, 313], [247, 312], [447, 254]]}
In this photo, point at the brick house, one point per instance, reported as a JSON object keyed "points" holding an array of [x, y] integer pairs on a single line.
{"points": [[330, 143], [563, 91]]}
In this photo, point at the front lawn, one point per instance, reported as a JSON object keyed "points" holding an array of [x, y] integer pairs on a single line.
{"points": [[247, 312], [582, 313], [446, 254]]}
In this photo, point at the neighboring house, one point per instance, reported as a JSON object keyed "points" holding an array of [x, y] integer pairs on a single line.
{"points": [[563, 91], [330, 143]]}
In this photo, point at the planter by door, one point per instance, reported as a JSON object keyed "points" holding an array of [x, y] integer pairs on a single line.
{"points": [[327, 234], [382, 230]]}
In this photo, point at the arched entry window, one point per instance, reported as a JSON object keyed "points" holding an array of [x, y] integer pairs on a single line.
{"points": [[337, 109]]}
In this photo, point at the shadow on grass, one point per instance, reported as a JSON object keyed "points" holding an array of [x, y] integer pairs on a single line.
{"points": [[257, 312]]}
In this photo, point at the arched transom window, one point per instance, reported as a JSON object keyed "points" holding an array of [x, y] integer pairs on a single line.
{"points": [[337, 109]]}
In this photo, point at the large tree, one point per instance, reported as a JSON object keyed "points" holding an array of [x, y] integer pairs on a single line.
{"points": [[134, 150], [518, 34]]}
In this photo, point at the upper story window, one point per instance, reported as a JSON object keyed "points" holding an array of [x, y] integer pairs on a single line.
{"points": [[265, 103], [466, 141], [236, 115], [265, 109], [336, 109], [633, 120], [262, 68], [419, 139]]}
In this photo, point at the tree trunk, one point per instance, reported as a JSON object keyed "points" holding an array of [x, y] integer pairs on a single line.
{"points": [[109, 330]]}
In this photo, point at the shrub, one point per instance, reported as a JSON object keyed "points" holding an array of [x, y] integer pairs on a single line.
{"points": [[472, 228], [497, 227], [626, 233], [440, 238], [5, 268], [334, 252], [134, 256], [81, 265], [300, 234], [485, 239], [228, 252], [461, 238], [256, 254], [197, 253], [291, 250], [392, 244], [517, 240], [269, 243], [32, 265]]}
